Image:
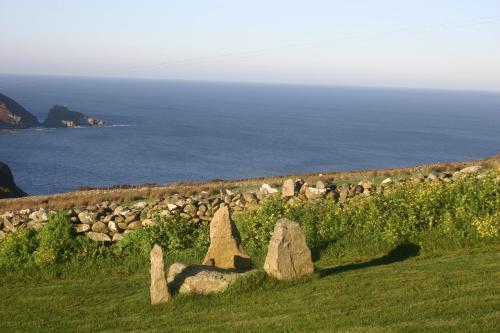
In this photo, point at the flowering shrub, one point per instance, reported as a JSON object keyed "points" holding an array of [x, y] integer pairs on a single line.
{"points": [[488, 226], [467, 208]]}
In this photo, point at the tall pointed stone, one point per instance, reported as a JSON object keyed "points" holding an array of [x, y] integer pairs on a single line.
{"points": [[288, 256], [225, 250], [158, 289]]}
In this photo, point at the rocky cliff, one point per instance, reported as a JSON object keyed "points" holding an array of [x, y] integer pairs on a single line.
{"points": [[62, 116], [14, 116], [8, 188]]}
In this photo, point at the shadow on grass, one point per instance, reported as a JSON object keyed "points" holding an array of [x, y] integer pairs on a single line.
{"points": [[399, 253]]}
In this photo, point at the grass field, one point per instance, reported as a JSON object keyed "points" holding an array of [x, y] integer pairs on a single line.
{"points": [[403, 291]]}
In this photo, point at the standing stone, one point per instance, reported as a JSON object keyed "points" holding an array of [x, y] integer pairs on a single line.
{"points": [[288, 256], [343, 193], [290, 187], [225, 250], [158, 289]]}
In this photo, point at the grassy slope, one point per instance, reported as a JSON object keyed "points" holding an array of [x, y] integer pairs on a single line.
{"points": [[455, 291]]}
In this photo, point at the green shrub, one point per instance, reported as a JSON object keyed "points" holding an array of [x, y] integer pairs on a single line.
{"points": [[135, 243], [464, 209], [17, 248], [56, 241], [174, 234], [256, 225], [488, 226]]}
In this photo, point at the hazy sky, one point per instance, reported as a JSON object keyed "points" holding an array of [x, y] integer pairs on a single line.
{"points": [[419, 43]]}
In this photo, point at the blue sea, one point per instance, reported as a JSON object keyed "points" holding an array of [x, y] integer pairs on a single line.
{"points": [[166, 131]]}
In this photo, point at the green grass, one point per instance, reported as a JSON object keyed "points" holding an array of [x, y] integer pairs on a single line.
{"points": [[452, 291], [443, 278]]}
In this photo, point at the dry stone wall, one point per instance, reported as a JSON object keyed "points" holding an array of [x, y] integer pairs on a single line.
{"points": [[111, 221]]}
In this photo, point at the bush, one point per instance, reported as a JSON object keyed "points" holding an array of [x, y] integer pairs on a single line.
{"points": [[17, 248], [256, 225], [488, 226], [464, 209], [56, 241], [174, 234]]}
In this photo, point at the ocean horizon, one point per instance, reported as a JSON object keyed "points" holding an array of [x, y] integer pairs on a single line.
{"points": [[163, 131]]}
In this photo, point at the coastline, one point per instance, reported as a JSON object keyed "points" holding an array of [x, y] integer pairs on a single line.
{"points": [[122, 192]]}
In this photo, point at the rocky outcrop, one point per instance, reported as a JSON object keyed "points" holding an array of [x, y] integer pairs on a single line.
{"points": [[158, 289], [288, 256], [61, 116], [8, 188], [14, 116], [225, 249]]}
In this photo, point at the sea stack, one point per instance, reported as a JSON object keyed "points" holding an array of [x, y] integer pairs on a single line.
{"points": [[62, 116], [14, 116]]}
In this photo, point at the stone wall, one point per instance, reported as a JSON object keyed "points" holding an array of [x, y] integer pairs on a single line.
{"points": [[110, 221]]}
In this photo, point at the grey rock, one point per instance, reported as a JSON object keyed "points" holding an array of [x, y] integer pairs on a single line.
{"points": [[87, 217], [266, 188], [98, 237], [320, 185], [290, 188], [288, 255], [99, 227], [204, 280], [387, 181], [132, 217], [81, 228], [315, 193], [471, 169], [174, 270], [134, 225], [117, 237]]}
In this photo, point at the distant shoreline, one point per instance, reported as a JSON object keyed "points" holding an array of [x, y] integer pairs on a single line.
{"points": [[128, 192]]}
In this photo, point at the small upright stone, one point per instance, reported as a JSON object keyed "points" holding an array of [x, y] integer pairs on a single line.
{"points": [[288, 256], [289, 188], [225, 250], [159, 290]]}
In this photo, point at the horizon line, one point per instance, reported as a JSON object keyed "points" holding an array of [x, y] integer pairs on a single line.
{"points": [[286, 83]]}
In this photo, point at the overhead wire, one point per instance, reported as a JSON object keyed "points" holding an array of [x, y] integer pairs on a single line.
{"points": [[282, 48]]}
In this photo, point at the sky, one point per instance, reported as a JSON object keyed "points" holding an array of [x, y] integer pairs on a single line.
{"points": [[413, 43]]}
